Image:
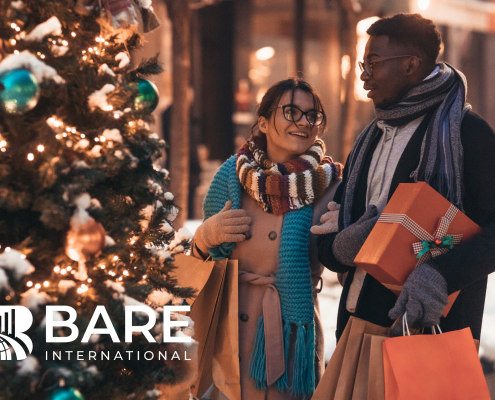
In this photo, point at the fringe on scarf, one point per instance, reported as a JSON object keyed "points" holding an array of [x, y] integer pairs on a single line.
{"points": [[303, 373]]}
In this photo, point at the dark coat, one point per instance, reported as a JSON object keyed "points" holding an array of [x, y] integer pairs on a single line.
{"points": [[467, 266]]}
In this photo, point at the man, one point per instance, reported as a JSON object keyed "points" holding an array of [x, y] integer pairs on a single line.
{"points": [[424, 131]]}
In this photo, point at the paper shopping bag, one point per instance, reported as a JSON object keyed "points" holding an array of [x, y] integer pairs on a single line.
{"points": [[433, 367], [192, 272], [339, 378], [208, 278], [226, 369], [369, 382]]}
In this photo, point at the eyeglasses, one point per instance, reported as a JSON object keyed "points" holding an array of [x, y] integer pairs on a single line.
{"points": [[368, 66], [293, 113]]}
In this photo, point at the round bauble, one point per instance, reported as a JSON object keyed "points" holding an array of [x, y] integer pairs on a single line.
{"points": [[85, 241], [19, 91], [147, 97], [65, 393]]}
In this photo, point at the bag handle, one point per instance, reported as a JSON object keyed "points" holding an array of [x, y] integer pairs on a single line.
{"points": [[405, 327]]}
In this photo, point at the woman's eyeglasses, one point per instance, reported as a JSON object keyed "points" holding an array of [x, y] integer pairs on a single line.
{"points": [[368, 66], [293, 113]]}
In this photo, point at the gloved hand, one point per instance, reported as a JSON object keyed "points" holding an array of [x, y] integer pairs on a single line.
{"points": [[226, 226], [349, 241], [424, 297], [328, 221]]}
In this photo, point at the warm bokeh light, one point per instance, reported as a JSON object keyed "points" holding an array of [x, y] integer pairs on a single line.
{"points": [[265, 53], [423, 4]]}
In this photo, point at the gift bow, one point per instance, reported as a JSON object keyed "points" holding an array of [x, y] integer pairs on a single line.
{"points": [[430, 245]]}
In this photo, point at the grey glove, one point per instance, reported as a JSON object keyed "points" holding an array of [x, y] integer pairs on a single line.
{"points": [[424, 296], [349, 241]]}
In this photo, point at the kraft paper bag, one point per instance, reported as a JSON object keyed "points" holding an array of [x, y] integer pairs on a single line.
{"points": [[226, 369], [369, 382], [339, 378], [376, 379], [205, 312], [433, 367], [192, 272]]}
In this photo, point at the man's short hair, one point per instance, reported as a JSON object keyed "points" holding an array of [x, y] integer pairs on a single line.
{"points": [[412, 31]]}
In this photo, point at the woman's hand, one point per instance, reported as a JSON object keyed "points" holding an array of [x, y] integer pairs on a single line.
{"points": [[328, 221], [226, 226]]}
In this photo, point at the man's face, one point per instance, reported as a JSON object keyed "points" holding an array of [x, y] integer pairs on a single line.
{"points": [[389, 77]]}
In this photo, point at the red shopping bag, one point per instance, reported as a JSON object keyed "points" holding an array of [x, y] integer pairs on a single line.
{"points": [[433, 367]]}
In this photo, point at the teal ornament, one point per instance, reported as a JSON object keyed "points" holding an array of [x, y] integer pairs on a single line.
{"points": [[19, 91], [147, 97], [65, 393]]}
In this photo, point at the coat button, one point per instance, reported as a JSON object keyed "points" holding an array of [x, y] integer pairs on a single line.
{"points": [[244, 317], [272, 235], [248, 235]]}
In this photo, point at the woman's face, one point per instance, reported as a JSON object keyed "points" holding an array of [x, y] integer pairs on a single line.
{"points": [[287, 140]]}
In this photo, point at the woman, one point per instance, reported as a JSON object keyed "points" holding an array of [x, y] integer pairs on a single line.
{"points": [[259, 210]]}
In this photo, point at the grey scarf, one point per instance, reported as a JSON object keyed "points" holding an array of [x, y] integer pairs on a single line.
{"points": [[441, 160]]}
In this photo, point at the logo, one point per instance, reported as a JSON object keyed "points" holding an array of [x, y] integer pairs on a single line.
{"points": [[23, 321]]}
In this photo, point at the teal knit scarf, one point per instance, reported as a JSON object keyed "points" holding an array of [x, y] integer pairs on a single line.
{"points": [[293, 283]]}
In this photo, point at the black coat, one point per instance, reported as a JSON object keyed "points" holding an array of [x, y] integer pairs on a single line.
{"points": [[467, 266]]}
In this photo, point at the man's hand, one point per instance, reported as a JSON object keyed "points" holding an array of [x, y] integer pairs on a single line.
{"points": [[423, 296], [226, 226], [328, 221], [349, 241]]}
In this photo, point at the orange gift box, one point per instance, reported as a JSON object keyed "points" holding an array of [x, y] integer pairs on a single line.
{"points": [[388, 254]]}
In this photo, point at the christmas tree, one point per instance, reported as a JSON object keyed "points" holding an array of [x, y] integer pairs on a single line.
{"points": [[85, 216]]}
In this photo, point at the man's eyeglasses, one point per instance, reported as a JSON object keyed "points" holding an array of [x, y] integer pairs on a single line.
{"points": [[368, 66], [293, 113]]}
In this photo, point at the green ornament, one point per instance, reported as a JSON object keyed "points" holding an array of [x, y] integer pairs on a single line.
{"points": [[19, 91], [65, 393], [147, 97]]}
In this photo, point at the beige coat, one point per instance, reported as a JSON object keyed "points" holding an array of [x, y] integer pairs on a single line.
{"points": [[259, 255]]}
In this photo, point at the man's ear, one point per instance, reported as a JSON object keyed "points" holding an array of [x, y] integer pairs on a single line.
{"points": [[413, 65], [263, 124]]}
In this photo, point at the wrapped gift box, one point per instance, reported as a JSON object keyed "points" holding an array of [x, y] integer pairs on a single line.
{"points": [[388, 254]]}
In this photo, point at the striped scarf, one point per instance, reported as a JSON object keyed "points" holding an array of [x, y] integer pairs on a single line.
{"points": [[282, 187], [441, 164]]}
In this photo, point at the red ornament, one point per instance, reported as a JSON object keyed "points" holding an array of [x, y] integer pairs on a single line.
{"points": [[438, 242]]}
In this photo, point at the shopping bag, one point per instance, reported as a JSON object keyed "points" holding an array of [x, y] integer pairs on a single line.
{"points": [[205, 310], [339, 378], [433, 367], [192, 272], [369, 381], [226, 369]]}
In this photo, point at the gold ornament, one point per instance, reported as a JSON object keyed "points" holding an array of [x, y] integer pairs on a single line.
{"points": [[83, 242]]}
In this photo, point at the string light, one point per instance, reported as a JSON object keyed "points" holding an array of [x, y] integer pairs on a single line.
{"points": [[63, 271], [115, 258], [116, 116], [144, 276], [42, 56], [30, 156], [85, 58], [102, 266], [29, 284], [126, 273], [41, 148], [65, 42], [13, 42], [57, 269], [7, 249], [73, 34], [46, 283], [37, 286], [83, 135], [16, 52], [23, 256], [90, 280], [69, 268]]}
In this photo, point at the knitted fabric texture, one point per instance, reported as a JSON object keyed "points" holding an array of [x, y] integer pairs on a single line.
{"points": [[281, 187], [441, 164], [293, 283]]}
